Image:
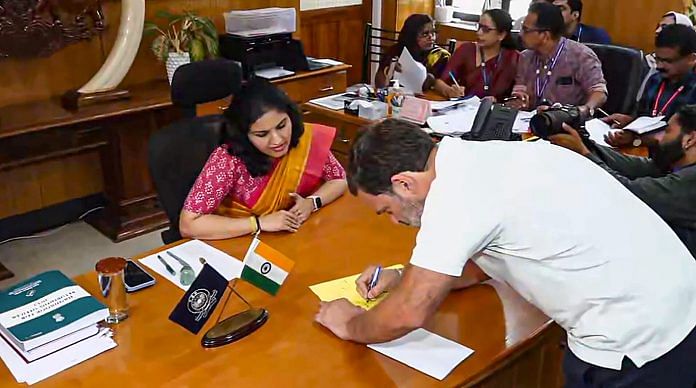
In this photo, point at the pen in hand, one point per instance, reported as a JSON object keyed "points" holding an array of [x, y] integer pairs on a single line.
{"points": [[454, 79], [374, 280], [600, 110]]}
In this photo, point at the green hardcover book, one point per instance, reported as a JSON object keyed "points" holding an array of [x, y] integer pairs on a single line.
{"points": [[46, 307]]}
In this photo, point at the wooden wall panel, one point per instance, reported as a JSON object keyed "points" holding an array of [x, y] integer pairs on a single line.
{"points": [[395, 12], [636, 30], [39, 185], [630, 22], [41, 78], [336, 33]]}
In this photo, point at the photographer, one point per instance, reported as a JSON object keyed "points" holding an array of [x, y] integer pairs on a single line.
{"points": [[666, 182], [672, 86]]}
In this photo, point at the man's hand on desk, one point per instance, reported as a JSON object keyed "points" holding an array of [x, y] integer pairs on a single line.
{"points": [[335, 316], [618, 120], [571, 141], [519, 100]]}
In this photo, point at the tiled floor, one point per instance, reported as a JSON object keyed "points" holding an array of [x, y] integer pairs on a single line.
{"points": [[73, 249]]}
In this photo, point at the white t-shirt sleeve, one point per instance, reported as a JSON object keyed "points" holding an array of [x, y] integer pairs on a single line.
{"points": [[460, 218]]}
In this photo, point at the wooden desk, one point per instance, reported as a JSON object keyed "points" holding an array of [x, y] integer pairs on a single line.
{"points": [[42, 136], [348, 126], [514, 343]]}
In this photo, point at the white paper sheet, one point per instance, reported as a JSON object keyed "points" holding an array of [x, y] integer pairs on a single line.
{"points": [[522, 120], [455, 123], [229, 267], [424, 351], [645, 124], [329, 61], [597, 129], [57, 362], [412, 74], [273, 73], [334, 102], [460, 104]]}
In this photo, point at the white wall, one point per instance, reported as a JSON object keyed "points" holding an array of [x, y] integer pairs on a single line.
{"points": [[306, 5]]}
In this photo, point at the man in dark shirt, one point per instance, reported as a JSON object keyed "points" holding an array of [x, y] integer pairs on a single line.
{"points": [[672, 87], [666, 182], [577, 31]]}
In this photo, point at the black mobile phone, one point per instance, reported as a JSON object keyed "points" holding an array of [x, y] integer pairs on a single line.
{"points": [[136, 278]]}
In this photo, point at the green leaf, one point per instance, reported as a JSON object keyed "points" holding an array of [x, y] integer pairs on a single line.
{"points": [[212, 47], [160, 47], [197, 50], [163, 14]]}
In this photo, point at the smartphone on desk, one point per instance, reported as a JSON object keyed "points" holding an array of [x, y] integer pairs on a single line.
{"points": [[136, 278]]}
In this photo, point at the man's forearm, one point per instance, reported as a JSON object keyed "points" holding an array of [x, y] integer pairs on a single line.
{"points": [[596, 100], [379, 325], [406, 308], [471, 276]]}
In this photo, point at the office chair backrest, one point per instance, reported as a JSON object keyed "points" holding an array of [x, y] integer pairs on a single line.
{"points": [[177, 154], [624, 69], [205, 81], [375, 43]]}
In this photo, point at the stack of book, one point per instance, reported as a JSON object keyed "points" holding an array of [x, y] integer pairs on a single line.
{"points": [[48, 324]]}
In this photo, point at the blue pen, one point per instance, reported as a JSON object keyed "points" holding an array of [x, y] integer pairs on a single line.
{"points": [[454, 79], [375, 279]]}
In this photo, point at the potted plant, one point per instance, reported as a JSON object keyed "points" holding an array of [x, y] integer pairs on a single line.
{"points": [[187, 37], [691, 11]]}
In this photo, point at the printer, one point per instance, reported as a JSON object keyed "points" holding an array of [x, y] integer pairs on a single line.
{"points": [[262, 38], [265, 51]]}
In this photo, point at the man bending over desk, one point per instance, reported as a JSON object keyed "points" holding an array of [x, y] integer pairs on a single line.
{"points": [[570, 239]]}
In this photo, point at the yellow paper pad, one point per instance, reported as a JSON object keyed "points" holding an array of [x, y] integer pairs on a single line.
{"points": [[345, 288]]}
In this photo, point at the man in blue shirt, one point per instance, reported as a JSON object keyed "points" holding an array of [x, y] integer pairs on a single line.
{"points": [[577, 31], [670, 88]]}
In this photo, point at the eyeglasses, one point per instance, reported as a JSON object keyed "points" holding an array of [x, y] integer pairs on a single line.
{"points": [[527, 30], [484, 28], [426, 34], [660, 26]]}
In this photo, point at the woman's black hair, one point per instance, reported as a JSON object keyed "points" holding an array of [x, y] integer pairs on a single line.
{"points": [[255, 99], [503, 23], [408, 36]]}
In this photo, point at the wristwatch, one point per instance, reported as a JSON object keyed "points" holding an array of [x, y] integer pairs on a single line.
{"points": [[316, 200]]}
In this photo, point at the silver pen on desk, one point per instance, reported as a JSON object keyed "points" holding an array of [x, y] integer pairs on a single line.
{"points": [[187, 274], [167, 266]]}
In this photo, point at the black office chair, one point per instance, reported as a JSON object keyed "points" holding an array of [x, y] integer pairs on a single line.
{"points": [[624, 69], [375, 42], [177, 154], [205, 81]]}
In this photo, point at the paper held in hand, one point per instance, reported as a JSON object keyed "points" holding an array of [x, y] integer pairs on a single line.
{"points": [[412, 74], [643, 125]]}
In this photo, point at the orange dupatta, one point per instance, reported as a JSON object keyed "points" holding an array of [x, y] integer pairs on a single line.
{"points": [[287, 175]]}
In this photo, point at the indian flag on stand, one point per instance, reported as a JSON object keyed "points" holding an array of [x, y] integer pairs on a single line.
{"points": [[265, 267]]}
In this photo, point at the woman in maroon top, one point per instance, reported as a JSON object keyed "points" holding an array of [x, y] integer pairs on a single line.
{"points": [[486, 67]]}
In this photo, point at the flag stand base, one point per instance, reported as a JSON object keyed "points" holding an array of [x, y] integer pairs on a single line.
{"points": [[234, 328]]}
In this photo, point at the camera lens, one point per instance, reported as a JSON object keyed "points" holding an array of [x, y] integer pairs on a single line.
{"points": [[541, 125]]}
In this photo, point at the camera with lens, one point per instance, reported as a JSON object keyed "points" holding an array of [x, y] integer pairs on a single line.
{"points": [[550, 122]]}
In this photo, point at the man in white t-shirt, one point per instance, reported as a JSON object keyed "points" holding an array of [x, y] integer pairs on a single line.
{"points": [[557, 228]]}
